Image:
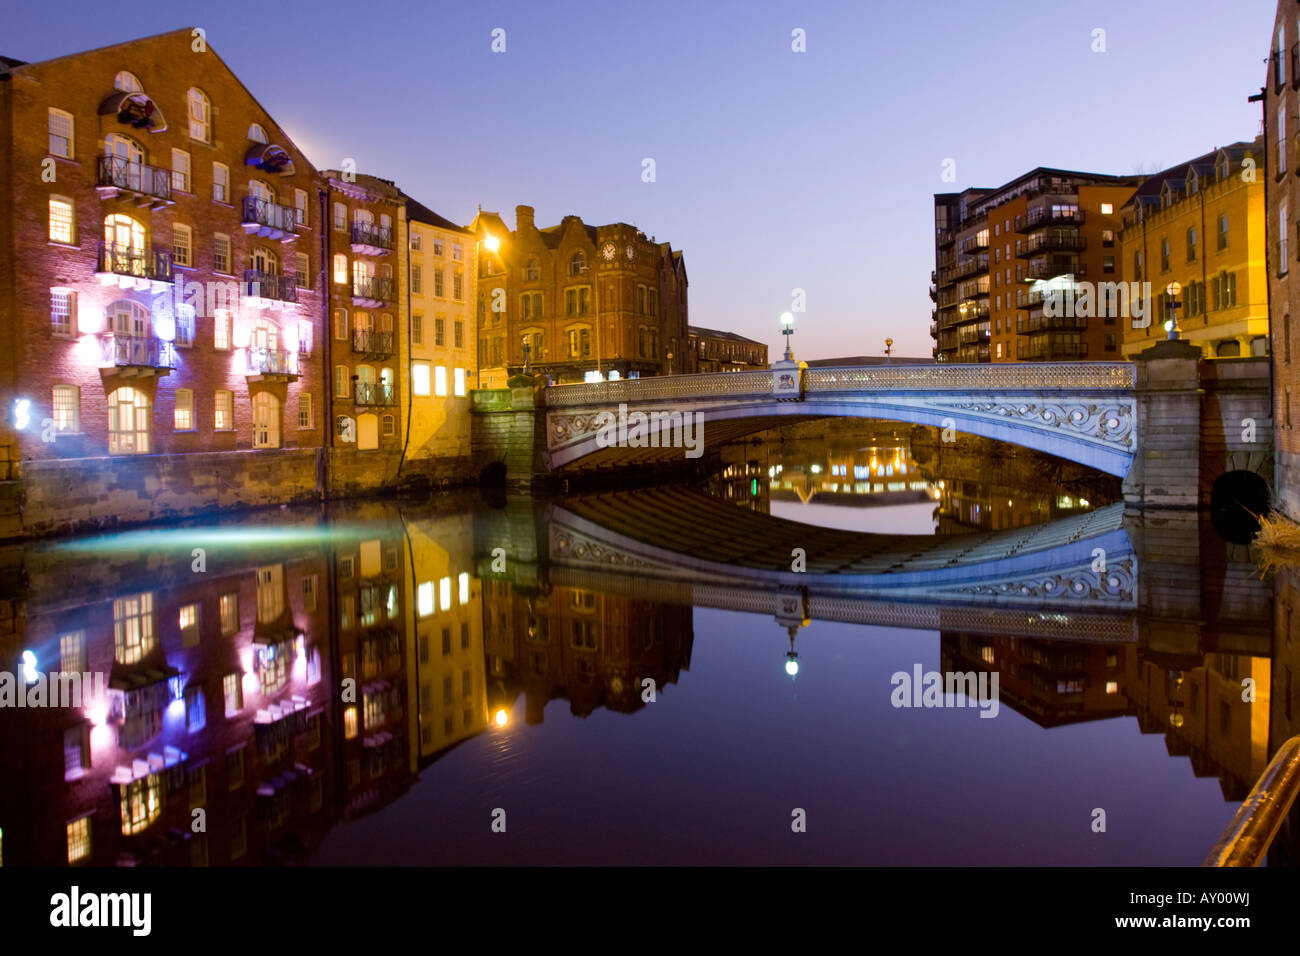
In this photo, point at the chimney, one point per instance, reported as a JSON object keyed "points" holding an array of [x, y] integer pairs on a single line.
{"points": [[523, 217]]}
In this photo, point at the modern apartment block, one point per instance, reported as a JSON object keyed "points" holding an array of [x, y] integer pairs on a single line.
{"points": [[717, 351], [1000, 252], [367, 258], [441, 338], [1201, 223], [1280, 171], [584, 301], [157, 227]]}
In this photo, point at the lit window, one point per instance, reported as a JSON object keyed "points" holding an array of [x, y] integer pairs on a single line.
{"points": [[187, 619], [200, 111], [60, 220], [304, 410], [232, 690], [224, 414], [1112, 687], [302, 270], [424, 598], [66, 405], [63, 311], [184, 413], [341, 269], [221, 329], [350, 723], [460, 382], [444, 594], [127, 82], [79, 840], [129, 417], [420, 378], [141, 803], [133, 633], [389, 426], [1107, 209], [342, 381], [463, 582], [440, 380], [60, 133]]}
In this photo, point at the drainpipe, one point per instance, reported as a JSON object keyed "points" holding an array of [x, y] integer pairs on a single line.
{"points": [[327, 335], [410, 389]]}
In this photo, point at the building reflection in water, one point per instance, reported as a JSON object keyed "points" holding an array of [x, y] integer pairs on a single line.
{"points": [[313, 672]]}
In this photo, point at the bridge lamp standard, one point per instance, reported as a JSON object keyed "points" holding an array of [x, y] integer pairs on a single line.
{"points": [[1171, 326], [787, 329]]}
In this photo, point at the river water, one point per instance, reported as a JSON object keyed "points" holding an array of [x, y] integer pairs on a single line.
{"points": [[615, 677]]}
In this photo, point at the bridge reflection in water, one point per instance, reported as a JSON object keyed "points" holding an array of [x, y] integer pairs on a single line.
{"points": [[460, 622]]}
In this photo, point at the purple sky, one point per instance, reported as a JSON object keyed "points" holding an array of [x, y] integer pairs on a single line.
{"points": [[774, 169]]}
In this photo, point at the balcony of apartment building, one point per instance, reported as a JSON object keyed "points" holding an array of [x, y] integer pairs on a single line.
{"points": [[139, 183], [371, 343], [973, 354], [271, 365], [1049, 267], [261, 217], [947, 340], [1051, 214], [975, 243], [142, 356], [130, 266], [971, 310], [268, 290], [1030, 301], [947, 298], [369, 239], [1035, 324], [1051, 348], [1051, 240], [971, 266], [375, 393], [944, 236], [973, 335], [372, 291]]}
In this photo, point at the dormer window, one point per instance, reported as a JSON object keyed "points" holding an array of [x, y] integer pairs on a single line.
{"points": [[200, 110], [1192, 184], [578, 264], [256, 133]]}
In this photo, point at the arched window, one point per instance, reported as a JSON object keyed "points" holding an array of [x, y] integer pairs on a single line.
{"points": [[260, 190], [532, 271], [128, 318], [578, 264], [129, 415], [127, 161], [256, 133], [264, 261], [127, 82], [266, 421], [200, 116], [124, 240]]}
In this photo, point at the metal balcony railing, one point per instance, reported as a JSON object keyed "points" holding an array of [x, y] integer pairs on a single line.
{"points": [[1051, 242], [268, 285], [1050, 351], [376, 288], [369, 234], [374, 393], [263, 212], [371, 342], [135, 177], [1042, 216], [272, 361], [121, 350], [1246, 840], [132, 261], [1034, 324], [1052, 266]]}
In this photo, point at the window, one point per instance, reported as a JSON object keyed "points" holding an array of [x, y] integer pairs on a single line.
{"points": [[60, 219], [389, 426], [438, 284], [266, 420], [440, 381], [458, 285], [1281, 137], [235, 759], [1283, 228], [417, 280], [579, 342], [420, 378], [60, 133], [415, 240], [180, 171], [1164, 255], [417, 329], [221, 253], [1191, 244], [437, 247], [340, 269], [531, 305], [72, 652], [1107, 209], [224, 417], [1223, 230], [457, 253], [300, 206], [304, 410], [532, 271], [342, 381], [1108, 264], [577, 300], [200, 111], [341, 324], [460, 334], [129, 416], [305, 336], [79, 840], [577, 264], [460, 382], [133, 633], [220, 182], [184, 412], [66, 406], [196, 718], [182, 245], [187, 618], [439, 332], [63, 311]]}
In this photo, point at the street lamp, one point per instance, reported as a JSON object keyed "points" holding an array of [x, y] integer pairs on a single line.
{"points": [[1171, 326], [889, 349], [787, 329]]}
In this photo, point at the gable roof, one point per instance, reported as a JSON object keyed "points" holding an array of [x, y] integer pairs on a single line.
{"points": [[419, 212], [1176, 176]]}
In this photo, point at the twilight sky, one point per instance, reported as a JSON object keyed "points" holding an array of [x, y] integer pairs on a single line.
{"points": [[774, 169]]}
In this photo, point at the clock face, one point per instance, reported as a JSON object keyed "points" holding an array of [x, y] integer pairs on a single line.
{"points": [[630, 251], [608, 251]]}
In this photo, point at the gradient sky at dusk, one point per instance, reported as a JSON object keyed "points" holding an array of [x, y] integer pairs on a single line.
{"points": [[775, 170]]}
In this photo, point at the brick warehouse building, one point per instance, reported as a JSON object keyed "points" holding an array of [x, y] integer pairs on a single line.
{"points": [[160, 237], [584, 299]]}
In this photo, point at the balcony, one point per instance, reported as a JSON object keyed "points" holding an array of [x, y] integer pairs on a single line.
{"points": [[973, 336], [371, 240], [972, 310], [1042, 216], [1050, 267], [143, 185], [944, 237], [266, 290], [374, 393], [975, 243], [273, 365], [1030, 301], [261, 217], [1055, 241], [140, 355], [970, 267], [973, 354], [1036, 324], [1045, 350], [372, 291], [131, 267], [370, 342]]}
